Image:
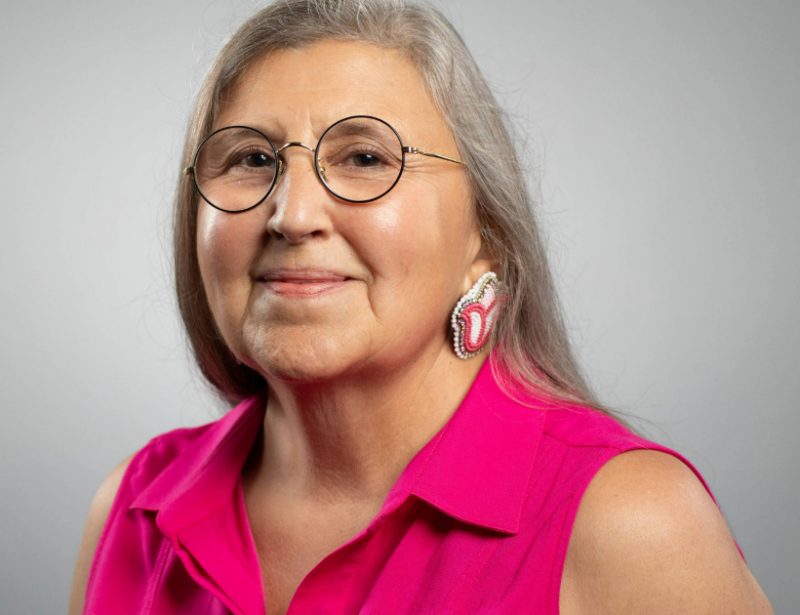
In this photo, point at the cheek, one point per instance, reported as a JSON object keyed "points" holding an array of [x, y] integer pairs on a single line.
{"points": [[225, 247], [390, 242], [419, 251]]}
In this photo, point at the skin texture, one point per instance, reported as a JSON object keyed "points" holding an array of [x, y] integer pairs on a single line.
{"points": [[648, 539], [363, 376]]}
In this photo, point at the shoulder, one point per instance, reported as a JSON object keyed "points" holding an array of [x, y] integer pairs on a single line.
{"points": [[120, 486], [95, 522], [104, 498], [649, 538]]}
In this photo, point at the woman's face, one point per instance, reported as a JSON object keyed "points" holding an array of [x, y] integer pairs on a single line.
{"points": [[309, 287]]}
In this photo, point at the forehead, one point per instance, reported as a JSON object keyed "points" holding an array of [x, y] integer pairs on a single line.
{"points": [[308, 88]]}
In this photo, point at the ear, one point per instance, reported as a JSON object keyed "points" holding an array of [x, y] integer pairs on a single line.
{"points": [[482, 261]]}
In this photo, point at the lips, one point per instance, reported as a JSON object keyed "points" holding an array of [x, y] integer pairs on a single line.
{"points": [[303, 282]]}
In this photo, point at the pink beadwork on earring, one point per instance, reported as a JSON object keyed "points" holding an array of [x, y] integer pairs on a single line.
{"points": [[474, 316]]}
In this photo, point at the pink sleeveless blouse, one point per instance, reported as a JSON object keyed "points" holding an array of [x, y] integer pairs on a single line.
{"points": [[478, 522]]}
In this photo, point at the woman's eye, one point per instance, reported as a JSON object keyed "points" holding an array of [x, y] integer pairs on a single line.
{"points": [[257, 159], [251, 160], [360, 158], [365, 159]]}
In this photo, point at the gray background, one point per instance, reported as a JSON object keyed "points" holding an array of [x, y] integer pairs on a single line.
{"points": [[666, 137]]}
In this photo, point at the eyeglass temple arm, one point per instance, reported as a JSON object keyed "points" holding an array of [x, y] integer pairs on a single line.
{"points": [[408, 149]]}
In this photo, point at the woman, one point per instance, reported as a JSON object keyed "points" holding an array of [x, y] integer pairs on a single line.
{"points": [[360, 274]]}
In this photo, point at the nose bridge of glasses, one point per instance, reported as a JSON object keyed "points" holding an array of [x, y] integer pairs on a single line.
{"points": [[294, 144], [281, 159]]}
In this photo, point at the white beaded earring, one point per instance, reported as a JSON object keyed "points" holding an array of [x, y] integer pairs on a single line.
{"points": [[474, 316]]}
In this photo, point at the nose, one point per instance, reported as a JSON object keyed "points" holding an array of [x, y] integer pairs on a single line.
{"points": [[299, 200]]}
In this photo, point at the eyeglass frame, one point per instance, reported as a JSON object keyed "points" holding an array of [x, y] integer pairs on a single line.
{"points": [[282, 164]]}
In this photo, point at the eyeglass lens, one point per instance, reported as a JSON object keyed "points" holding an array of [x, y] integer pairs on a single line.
{"points": [[358, 159]]}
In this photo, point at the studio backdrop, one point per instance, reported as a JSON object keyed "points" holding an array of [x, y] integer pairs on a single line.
{"points": [[661, 137]]}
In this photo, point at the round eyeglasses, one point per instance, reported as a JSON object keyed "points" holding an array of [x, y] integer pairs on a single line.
{"points": [[358, 159]]}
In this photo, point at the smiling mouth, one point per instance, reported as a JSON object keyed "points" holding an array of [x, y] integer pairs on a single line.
{"points": [[303, 284]]}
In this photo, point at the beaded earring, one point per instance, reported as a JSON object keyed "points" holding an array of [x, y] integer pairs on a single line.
{"points": [[474, 316]]}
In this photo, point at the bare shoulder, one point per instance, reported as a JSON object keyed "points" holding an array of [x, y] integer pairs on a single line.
{"points": [[649, 539], [96, 520]]}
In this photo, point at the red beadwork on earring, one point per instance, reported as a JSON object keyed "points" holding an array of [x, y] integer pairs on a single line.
{"points": [[474, 316]]}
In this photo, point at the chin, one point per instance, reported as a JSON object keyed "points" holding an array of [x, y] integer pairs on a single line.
{"points": [[314, 357], [295, 354]]}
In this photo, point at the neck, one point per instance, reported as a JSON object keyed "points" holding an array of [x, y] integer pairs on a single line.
{"points": [[349, 440]]}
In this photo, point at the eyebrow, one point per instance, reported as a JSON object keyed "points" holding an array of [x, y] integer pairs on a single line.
{"points": [[274, 131], [353, 127], [270, 127]]}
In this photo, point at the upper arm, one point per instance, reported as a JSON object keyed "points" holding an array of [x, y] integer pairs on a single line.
{"points": [[96, 520], [648, 538]]}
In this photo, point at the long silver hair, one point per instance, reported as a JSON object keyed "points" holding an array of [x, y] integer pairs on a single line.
{"points": [[533, 349]]}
